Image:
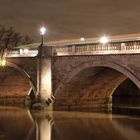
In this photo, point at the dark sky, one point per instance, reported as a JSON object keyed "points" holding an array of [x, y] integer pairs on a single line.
{"points": [[71, 18]]}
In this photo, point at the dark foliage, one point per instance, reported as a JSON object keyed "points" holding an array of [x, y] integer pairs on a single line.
{"points": [[9, 38]]}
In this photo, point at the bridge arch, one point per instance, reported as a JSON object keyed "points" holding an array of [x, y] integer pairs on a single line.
{"points": [[25, 74], [108, 64], [90, 84]]}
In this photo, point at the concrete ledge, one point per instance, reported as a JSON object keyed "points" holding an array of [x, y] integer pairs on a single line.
{"points": [[13, 100], [98, 105]]}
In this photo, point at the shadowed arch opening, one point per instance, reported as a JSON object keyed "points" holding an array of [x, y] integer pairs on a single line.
{"points": [[126, 95], [92, 85], [15, 84]]}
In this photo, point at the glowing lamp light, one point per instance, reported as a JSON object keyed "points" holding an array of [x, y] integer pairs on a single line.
{"points": [[82, 39], [42, 30], [3, 62], [104, 40]]}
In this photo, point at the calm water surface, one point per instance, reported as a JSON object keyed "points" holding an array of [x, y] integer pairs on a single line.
{"points": [[21, 124]]}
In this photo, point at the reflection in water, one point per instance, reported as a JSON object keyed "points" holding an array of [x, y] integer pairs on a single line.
{"points": [[21, 124], [43, 123], [15, 124]]}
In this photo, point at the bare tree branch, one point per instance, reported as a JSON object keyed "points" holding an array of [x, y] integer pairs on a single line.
{"points": [[10, 39]]}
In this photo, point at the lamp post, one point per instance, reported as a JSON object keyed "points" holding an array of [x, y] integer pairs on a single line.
{"points": [[42, 33], [44, 73]]}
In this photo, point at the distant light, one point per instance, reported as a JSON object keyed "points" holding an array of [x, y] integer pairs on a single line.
{"points": [[26, 51], [20, 51], [42, 30], [104, 40], [3, 62], [82, 39]]}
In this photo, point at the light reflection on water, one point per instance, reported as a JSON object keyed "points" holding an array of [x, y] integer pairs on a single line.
{"points": [[21, 124]]}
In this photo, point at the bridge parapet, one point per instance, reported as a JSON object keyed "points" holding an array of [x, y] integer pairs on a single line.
{"points": [[81, 48], [22, 53], [98, 48]]}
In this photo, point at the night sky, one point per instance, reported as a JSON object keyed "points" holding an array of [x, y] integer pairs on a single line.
{"points": [[67, 19]]}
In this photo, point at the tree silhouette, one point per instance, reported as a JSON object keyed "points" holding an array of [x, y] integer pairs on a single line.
{"points": [[10, 39]]}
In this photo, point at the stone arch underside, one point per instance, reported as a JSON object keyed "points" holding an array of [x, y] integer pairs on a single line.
{"points": [[15, 84], [126, 95], [91, 85], [25, 74]]}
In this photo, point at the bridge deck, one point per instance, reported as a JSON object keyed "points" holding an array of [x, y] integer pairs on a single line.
{"points": [[127, 44]]}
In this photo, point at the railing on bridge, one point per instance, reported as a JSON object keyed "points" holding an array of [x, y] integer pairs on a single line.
{"points": [[94, 49], [22, 53], [129, 46]]}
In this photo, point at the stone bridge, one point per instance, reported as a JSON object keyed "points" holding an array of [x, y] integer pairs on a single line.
{"points": [[80, 74]]}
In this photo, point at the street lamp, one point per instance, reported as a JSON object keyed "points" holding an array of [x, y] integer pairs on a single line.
{"points": [[82, 39], [104, 40], [42, 33], [3, 62]]}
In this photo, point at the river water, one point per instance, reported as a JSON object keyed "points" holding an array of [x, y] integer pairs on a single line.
{"points": [[22, 124]]}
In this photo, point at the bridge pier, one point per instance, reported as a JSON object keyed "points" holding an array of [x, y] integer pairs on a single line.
{"points": [[44, 82]]}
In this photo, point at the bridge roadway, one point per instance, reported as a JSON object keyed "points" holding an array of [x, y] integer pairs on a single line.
{"points": [[117, 45], [80, 74]]}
